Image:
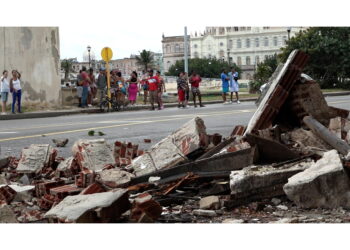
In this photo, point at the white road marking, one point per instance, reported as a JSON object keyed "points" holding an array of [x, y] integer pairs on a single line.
{"points": [[9, 132]]}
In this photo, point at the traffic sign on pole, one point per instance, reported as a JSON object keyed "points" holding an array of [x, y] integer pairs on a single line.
{"points": [[107, 55]]}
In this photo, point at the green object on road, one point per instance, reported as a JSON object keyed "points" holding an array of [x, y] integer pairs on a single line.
{"points": [[101, 133], [91, 133]]}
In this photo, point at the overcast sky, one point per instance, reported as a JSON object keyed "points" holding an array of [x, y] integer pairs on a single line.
{"points": [[129, 26]]}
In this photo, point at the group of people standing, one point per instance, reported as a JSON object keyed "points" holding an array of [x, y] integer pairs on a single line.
{"points": [[183, 89], [11, 86], [230, 84]]}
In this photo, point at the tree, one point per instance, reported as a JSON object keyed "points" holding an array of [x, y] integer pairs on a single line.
{"points": [[210, 68], [329, 51], [263, 72], [145, 59], [67, 66]]}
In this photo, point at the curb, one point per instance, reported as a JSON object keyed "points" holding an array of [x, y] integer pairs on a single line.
{"points": [[32, 115]]}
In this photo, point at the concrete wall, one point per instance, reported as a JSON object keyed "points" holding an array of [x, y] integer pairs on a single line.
{"points": [[34, 52]]}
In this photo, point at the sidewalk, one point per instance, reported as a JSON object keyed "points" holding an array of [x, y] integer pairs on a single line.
{"points": [[74, 111]]}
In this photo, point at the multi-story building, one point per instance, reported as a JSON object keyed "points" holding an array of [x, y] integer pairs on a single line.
{"points": [[245, 46], [173, 50]]}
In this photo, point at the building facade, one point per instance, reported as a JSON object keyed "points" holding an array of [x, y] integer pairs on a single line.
{"points": [[245, 46], [173, 50], [35, 53]]}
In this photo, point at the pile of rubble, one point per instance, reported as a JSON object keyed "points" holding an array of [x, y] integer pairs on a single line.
{"points": [[294, 154]]}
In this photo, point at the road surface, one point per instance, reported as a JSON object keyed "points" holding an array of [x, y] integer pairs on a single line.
{"points": [[132, 126]]}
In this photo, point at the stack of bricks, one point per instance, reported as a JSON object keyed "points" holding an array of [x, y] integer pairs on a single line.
{"points": [[85, 178], [125, 152], [7, 194]]}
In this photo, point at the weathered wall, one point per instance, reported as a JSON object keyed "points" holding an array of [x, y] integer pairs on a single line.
{"points": [[34, 52]]}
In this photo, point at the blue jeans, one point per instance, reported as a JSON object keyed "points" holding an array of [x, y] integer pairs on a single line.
{"points": [[16, 96], [84, 96]]}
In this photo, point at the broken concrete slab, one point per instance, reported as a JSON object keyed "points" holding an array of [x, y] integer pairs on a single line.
{"points": [[261, 182], [320, 130], [99, 207], [202, 212], [210, 202], [7, 215], [36, 158], [67, 168], [324, 184], [114, 177], [93, 154], [282, 82], [173, 149]]}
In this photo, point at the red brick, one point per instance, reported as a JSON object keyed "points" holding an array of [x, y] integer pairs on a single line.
{"points": [[93, 188], [7, 194], [63, 191]]}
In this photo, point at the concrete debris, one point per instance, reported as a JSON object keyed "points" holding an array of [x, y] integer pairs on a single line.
{"points": [[202, 212], [210, 202], [341, 128], [324, 184], [7, 215], [67, 168], [173, 149], [60, 142], [276, 201], [35, 158], [100, 207], [114, 177], [261, 182], [93, 154], [145, 209], [337, 143]]}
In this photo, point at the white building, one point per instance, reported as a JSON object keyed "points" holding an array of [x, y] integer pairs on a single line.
{"points": [[245, 46]]}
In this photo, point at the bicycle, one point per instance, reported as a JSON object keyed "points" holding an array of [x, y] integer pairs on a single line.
{"points": [[114, 104]]}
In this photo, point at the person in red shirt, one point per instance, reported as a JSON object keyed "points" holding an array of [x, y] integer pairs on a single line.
{"points": [[86, 83], [153, 83], [195, 80]]}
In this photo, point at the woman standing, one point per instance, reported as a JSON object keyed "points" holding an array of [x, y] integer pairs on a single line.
{"points": [[181, 89], [133, 87], [5, 89], [92, 87], [16, 89], [161, 90]]}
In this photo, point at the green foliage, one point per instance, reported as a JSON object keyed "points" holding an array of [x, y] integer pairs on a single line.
{"points": [[329, 50], [91, 133], [145, 59], [263, 72], [210, 68], [67, 66]]}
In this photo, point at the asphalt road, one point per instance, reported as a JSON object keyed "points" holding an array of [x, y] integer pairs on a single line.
{"points": [[132, 126]]}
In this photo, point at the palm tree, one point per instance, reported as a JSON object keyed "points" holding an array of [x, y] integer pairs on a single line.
{"points": [[66, 65], [145, 59]]}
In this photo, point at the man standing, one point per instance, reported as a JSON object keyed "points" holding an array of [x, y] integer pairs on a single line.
{"points": [[161, 89], [144, 86], [152, 83], [101, 83], [234, 84], [195, 80], [79, 87], [86, 84], [225, 84]]}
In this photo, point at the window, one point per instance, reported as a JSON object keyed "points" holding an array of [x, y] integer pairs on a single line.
{"points": [[275, 41], [257, 60], [247, 60], [247, 42], [168, 49], [239, 43], [239, 60], [230, 43], [221, 54], [196, 55], [284, 40], [266, 41], [221, 44], [257, 42], [195, 46], [177, 48]]}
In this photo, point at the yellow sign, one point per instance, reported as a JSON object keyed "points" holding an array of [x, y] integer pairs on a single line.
{"points": [[106, 54]]}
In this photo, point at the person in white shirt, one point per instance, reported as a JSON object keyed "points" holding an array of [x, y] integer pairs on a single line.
{"points": [[16, 89], [4, 89]]}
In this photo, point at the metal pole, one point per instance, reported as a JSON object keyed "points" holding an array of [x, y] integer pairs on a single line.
{"points": [[186, 52]]}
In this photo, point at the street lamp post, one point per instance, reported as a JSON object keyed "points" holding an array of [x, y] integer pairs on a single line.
{"points": [[228, 56], [89, 49], [289, 30]]}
